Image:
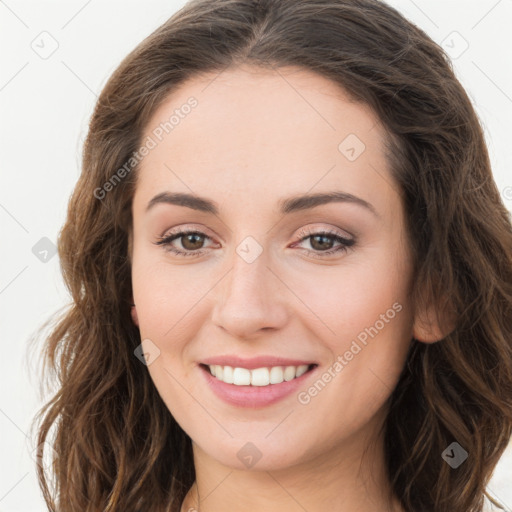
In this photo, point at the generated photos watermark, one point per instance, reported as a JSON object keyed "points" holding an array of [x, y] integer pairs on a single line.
{"points": [[342, 360], [150, 142]]}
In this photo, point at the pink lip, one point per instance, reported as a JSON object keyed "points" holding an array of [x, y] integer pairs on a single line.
{"points": [[254, 396], [254, 362]]}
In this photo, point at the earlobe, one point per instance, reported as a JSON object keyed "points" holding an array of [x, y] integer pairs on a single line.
{"points": [[425, 332], [430, 325]]}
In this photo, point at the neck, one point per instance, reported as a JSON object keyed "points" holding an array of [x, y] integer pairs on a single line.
{"points": [[349, 478]]}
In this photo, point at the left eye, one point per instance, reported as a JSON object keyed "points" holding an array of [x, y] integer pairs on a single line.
{"points": [[192, 242], [323, 241]]}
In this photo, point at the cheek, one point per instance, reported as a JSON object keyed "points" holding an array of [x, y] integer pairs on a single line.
{"points": [[350, 297], [165, 294], [363, 311], [372, 320]]}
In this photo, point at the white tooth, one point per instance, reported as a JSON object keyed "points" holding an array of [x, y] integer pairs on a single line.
{"points": [[289, 373], [276, 375], [301, 370], [241, 377], [228, 375], [260, 377]]}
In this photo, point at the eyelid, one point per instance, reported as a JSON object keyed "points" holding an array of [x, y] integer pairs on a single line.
{"points": [[335, 232], [187, 228]]}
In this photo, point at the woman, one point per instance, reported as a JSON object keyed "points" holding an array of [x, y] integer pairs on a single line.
{"points": [[291, 274]]}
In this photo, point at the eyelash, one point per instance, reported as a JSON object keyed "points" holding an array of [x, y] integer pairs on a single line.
{"points": [[346, 243]]}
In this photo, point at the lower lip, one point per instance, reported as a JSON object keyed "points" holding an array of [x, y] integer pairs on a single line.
{"points": [[254, 396]]}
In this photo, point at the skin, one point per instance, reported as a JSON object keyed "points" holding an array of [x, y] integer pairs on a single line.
{"points": [[255, 138]]}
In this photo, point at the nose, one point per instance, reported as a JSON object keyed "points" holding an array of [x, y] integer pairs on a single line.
{"points": [[250, 299]]}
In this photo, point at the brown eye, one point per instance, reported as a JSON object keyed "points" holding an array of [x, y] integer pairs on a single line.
{"points": [[325, 243], [321, 242], [192, 241]]}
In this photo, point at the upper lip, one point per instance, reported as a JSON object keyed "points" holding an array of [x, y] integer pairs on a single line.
{"points": [[253, 362]]}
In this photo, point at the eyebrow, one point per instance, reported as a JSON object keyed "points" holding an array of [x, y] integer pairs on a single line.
{"points": [[286, 206]]}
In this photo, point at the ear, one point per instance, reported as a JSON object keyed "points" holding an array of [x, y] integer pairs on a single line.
{"points": [[433, 323], [135, 318]]}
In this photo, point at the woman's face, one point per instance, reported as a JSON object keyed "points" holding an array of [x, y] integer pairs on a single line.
{"points": [[299, 258]]}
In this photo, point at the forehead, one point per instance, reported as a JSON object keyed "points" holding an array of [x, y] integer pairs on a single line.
{"points": [[263, 132]]}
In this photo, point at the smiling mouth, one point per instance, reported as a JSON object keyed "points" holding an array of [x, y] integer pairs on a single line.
{"points": [[265, 376]]}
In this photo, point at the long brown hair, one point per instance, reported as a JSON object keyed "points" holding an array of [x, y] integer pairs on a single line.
{"points": [[117, 447]]}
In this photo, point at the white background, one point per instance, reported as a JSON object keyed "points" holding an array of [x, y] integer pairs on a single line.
{"points": [[45, 107]]}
